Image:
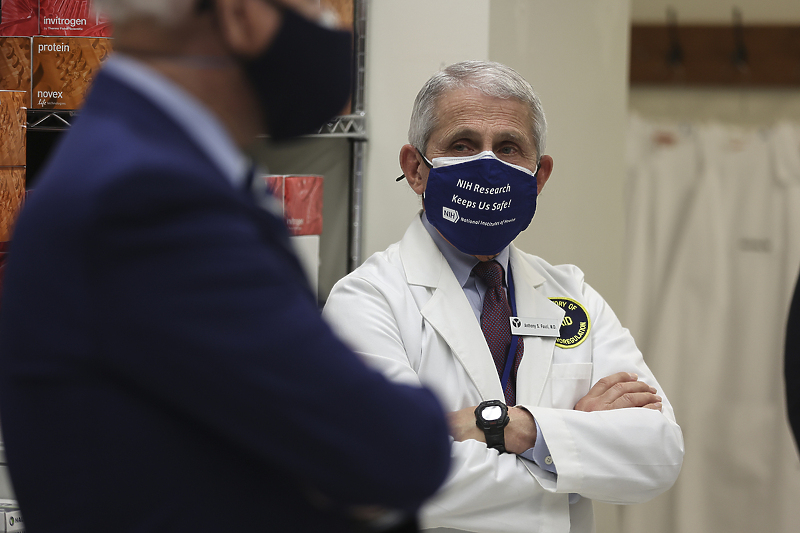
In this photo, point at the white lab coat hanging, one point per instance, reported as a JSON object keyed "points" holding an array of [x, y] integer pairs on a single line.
{"points": [[715, 334]]}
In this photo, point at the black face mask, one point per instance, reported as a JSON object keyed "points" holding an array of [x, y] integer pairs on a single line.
{"points": [[304, 78]]}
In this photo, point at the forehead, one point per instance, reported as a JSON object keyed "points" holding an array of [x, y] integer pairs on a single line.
{"points": [[471, 110]]}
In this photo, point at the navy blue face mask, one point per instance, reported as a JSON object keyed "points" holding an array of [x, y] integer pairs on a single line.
{"points": [[479, 203], [303, 79]]}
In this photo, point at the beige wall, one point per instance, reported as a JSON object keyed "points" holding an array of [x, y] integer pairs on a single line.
{"points": [[575, 56]]}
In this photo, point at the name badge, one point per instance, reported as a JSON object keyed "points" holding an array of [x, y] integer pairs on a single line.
{"points": [[537, 327]]}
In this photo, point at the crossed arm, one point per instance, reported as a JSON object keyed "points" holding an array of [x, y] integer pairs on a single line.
{"points": [[616, 391]]}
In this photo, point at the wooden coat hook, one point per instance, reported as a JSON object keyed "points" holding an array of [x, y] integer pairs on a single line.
{"points": [[739, 54]]}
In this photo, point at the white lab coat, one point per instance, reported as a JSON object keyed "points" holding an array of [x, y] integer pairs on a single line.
{"points": [[404, 311], [712, 305]]}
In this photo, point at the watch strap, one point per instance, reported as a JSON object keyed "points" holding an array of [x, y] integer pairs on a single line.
{"points": [[494, 430], [496, 438]]}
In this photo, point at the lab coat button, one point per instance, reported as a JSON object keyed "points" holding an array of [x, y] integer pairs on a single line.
{"points": [[548, 460]]}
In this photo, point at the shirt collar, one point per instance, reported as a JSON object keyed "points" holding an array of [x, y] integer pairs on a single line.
{"points": [[460, 263], [190, 114]]}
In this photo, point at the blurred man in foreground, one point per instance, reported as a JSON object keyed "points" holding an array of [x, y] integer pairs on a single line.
{"points": [[165, 367]]}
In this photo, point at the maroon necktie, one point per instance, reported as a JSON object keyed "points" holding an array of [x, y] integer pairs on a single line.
{"points": [[495, 323]]}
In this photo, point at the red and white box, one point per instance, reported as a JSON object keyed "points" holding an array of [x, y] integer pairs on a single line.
{"points": [[72, 18], [301, 199], [19, 18]]}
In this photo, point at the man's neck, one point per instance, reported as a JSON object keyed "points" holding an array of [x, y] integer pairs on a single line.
{"points": [[223, 89], [194, 58]]}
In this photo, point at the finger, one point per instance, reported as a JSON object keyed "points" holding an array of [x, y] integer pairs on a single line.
{"points": [[655, 406], [608, 390], [620, 389], [606, 383], [635, 399]]}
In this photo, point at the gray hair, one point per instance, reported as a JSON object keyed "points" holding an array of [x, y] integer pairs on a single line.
{"points": [[492, 79], [165, 11]]}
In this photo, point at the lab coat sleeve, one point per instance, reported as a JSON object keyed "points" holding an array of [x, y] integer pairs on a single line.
{"points": [[484, 489], [620, 456]]}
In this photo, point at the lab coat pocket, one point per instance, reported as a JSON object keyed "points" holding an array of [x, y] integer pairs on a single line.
{"points": [[569, 383]]}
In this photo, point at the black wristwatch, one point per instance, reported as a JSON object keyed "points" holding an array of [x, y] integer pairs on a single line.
{"points": [[492, 417]]}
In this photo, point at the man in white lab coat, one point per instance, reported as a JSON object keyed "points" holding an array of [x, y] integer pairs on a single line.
{"points": [[552, 404]]}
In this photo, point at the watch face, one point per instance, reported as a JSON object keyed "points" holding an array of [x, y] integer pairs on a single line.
{"points": [[493, 412]]}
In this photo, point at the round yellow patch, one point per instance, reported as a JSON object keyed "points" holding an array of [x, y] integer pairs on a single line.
{"points": [[576, 323]]}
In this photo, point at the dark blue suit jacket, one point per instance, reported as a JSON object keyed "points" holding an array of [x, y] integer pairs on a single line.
{"points": [[791, 364], [163, 366]]}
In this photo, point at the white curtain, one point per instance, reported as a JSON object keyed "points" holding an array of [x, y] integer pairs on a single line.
{"points": [[713, 248]]}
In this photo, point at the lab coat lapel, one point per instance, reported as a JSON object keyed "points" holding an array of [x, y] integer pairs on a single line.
{"points": [[448, 310], [538, 355]]}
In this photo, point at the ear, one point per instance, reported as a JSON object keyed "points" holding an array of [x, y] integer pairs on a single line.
{"points": [[414, 168], [543, 174], [248, 26]]}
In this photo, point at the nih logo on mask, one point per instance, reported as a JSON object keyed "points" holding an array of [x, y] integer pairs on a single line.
{"points": [[449, 214]]}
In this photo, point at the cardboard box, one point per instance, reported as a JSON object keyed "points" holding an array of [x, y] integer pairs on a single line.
{"points": [[15, 65], [12, 128], [19, 17], [301, 199], [14, 522], [11, 516], [12, 191], [71, 18], [12, 181], [63, 69]]}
